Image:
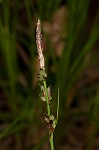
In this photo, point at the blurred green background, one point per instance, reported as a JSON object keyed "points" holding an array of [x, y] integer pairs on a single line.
{"points": [[71, 48]]}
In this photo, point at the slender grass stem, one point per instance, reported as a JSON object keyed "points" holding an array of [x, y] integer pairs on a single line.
{"points": [[51, 142], [48, 111], [46, 95]]}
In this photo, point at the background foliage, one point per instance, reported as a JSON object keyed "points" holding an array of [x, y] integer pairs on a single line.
{"points": [[71, 48]]}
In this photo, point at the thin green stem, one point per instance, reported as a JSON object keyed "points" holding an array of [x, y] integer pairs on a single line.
{"points": [[58, 105], [46, 95], [51, 142], [50, 119], [48, 110]]}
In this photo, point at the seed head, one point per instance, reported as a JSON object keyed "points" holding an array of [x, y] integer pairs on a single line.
{"points": [[39, 45]]}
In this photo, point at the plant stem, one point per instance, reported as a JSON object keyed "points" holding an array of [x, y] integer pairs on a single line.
{"points": [[48, 111], [50, 122], [51, 142], [46, 95]]}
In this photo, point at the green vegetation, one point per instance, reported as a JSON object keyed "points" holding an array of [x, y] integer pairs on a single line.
{"points": [[75, 71]]}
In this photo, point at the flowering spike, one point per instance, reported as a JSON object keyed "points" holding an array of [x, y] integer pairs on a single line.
{"points": [[39, 45]]}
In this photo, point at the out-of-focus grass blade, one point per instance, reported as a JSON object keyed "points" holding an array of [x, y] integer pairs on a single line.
{"points": [[28, 12], [93, 122], [88, 46], [9, 53], [7, 129], [14, 127], [32, 46], [58, 105], [71, 70], [1, 1], [72, 34]]}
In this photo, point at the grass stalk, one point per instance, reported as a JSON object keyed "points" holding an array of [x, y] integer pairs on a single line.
{"points": [[45, 91], [48, 111], [51, 142], [46, 94]]}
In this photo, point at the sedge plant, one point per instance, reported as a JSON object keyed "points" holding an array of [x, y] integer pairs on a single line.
{"points": [[50, 119]]}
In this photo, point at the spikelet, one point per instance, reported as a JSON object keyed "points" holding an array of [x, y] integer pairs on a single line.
{"points": [[39, 45]]}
